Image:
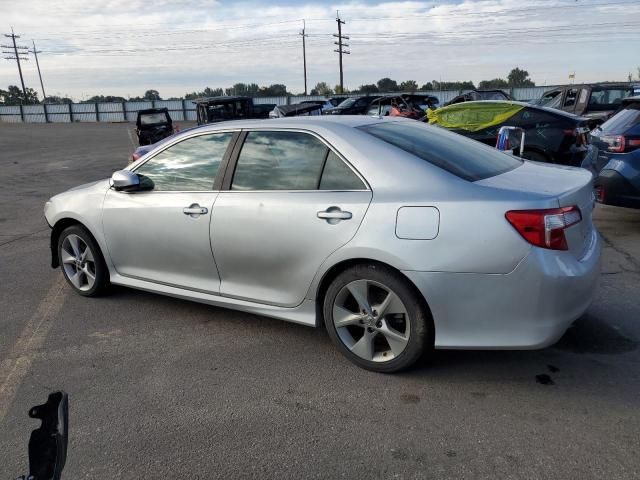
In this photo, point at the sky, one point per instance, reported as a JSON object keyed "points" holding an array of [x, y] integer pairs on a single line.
{"points": [[125, 47]]}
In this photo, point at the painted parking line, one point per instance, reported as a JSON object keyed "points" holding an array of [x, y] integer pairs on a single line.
{"points": [[14, 368]]}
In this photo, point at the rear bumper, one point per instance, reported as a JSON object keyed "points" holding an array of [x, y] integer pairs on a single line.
{"points": [[617, 190], [529, 308]]}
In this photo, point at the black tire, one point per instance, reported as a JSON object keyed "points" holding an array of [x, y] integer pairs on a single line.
{"points": [[536, 156], [420, 322], [99, 267]]}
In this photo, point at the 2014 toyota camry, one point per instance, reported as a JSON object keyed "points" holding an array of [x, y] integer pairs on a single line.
{"points": [[397, 236]]}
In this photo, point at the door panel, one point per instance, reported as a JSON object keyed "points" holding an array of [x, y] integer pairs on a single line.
{"points": [[150, 237], [269, 245]]}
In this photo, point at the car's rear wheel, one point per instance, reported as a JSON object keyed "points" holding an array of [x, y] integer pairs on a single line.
{"points": [[81, 262], [375, 317]]}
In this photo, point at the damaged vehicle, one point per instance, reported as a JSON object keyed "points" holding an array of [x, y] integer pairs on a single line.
{"points": [[596, 102], [152, 125], [219, 109], [552, 136], [412, 106], [618, 163], [353, 106], [475, 95], [304, 109]]}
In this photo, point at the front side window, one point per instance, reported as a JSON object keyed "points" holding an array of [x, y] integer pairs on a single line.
{"points": [[279, 161], [190, 165], [571, 97]]}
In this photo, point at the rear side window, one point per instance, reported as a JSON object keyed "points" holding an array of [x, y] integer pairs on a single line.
{"points": [[622, 121], [279, 161], [463, 157], [338, 176]]}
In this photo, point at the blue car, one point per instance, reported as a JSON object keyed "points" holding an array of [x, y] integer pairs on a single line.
{"points": [[618, 162]]}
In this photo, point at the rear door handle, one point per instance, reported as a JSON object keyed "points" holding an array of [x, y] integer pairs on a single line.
{"points": [[194, 210], [334, 214]]}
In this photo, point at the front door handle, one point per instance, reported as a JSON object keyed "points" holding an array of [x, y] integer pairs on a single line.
{"points": [[194, 210], [334, 214]]}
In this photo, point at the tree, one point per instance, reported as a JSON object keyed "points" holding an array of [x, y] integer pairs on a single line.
{"points": [[367, 89], [104, 99], [207, 92], [387, 85], [491, 84], [54, 99], [427, 86], [152, 95], [339, 90], [274, 90], [409, 86], [243, 89], [13, 95], [519, 78], [321, 88]]}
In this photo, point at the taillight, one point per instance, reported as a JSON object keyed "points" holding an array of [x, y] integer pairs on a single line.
{"points": [[598, 192], [545, 228], [580, 135], [620, 143], [134, 156]]}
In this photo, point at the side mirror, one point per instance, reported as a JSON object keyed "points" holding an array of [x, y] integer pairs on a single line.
{"points": [[124, 180], [48, 443]]}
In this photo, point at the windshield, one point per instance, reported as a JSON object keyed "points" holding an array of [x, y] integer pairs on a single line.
{"points": [[623, 121], [347, 103], [463, 157], [153, 118]]}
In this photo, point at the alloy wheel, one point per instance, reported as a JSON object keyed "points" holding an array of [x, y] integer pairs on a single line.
{"points": [[78, 262], [371, 320]]}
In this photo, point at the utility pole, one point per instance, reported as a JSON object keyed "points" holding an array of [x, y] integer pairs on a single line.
{"points": [[341, 46], [35, 54], [18, 50], [304, 55]]}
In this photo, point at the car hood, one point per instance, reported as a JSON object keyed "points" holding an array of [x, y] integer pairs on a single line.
{"points": [[87, 186]]}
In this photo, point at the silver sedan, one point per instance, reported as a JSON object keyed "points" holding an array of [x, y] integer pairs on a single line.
{"points": [[396, 236]]}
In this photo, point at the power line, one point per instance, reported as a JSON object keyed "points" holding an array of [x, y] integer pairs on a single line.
{"points": [[18, 52], [340, 49]]}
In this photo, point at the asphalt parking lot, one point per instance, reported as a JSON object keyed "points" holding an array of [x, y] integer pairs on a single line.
{"points": [[163, 388]]}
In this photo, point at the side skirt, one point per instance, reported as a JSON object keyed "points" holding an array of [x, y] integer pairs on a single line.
{"points": [[304, 314]]}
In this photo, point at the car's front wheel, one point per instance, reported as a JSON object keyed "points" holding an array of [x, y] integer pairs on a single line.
{"points": [[81, 262], [375, 317]]}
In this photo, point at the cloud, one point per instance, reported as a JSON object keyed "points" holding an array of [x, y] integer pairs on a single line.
{"points": [[128, 46]]}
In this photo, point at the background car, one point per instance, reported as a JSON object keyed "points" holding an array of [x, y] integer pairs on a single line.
{"points": [[326, 221], [152, 125], [475, 95], [551, 135], [596, 101], [352, 106], [618, 162], [407, 105]]}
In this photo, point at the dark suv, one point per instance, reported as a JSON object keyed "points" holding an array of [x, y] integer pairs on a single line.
{"points": [[596, 102], [618, 162]]}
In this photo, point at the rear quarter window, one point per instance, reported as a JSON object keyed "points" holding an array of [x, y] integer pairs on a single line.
{"points": [[463, 157]]}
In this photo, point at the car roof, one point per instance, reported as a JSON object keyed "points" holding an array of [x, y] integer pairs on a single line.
{"points": [[221, 99], [301, 122]]}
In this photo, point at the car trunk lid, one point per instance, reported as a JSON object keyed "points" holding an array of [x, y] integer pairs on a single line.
{"points": [[568, 186]]}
